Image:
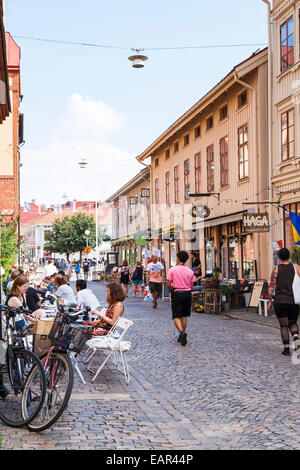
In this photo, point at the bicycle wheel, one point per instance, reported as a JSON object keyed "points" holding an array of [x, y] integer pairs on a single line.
{"points": [[60, 378], [22, 378]]}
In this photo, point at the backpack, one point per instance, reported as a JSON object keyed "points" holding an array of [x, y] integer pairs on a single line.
{"points": [[134, 276]]}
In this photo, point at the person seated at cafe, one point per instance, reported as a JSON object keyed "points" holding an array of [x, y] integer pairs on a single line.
{"points": [[85, 297], [63, 290], [115, 297], [17, 299]]}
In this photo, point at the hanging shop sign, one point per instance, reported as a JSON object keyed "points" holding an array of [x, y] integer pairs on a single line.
{"points": [[200, 211], [256, 222]]}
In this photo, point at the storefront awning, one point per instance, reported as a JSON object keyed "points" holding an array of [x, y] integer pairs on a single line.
{"points": [[223, 219], [119, 240]]}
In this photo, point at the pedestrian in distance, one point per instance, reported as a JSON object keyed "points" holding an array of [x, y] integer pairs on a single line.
{"points": [[137, 278], [155, 278], [180, 284], [86, 267], [77, 269], [286, 310], [124, 276]]}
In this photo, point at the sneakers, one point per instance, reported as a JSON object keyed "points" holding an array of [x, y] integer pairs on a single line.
{"points": [[154, 305], [182, 338]]}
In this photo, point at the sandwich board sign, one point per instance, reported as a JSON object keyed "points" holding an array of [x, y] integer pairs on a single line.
{"points": [[256, 293]]}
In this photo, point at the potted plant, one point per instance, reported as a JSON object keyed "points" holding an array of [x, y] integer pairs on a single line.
{"points": [[227, 291]]}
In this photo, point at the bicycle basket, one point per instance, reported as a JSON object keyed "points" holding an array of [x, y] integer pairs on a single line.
{"points": [[69, 336]]}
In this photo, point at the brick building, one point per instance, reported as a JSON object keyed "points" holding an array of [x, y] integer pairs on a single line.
{"points": [[4, 86], [11, 136]]}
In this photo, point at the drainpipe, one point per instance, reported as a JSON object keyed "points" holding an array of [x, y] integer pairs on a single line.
{"points": [[270, 119], [255, 166]]}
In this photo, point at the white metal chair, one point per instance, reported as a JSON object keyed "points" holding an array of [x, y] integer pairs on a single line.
{"points": [[113, 343]]}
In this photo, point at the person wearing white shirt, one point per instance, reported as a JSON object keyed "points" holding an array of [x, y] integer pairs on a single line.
{"points": [[85, 297], [49, 270], [63, 290]]}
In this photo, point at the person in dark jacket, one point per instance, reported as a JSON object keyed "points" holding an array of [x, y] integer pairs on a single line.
{"points": [[286, 310]]}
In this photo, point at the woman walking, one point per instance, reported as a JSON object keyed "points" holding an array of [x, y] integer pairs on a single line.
{"points": [[137, 278], [286, 310], [124, 278]]}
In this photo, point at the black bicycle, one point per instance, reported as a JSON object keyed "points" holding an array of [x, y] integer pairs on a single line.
{"points": [[68, 338], [22, 376]]}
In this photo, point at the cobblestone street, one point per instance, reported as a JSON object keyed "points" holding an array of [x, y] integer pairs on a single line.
{"points": [[228, 388]]}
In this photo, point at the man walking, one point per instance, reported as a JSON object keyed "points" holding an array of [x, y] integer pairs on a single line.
{"points": [[155, 278], [86, 266], [180, 284]]}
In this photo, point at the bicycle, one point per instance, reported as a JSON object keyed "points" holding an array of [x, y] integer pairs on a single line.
{"points": [[22, 377], [67, 338]]}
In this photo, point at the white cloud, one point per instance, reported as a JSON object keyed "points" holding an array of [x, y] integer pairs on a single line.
{"points": [[86, 118], [82, 132]]}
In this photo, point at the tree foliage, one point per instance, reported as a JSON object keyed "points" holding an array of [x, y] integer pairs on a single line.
{"points": [[68, 234], [9, 246]]}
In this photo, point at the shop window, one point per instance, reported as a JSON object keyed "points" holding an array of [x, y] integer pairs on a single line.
{"points": [[209, 256], [197, 160], [248, 257], [233, 258], [287, 44], [288, 135], [210, 168], [243, 152], [224, 161]]}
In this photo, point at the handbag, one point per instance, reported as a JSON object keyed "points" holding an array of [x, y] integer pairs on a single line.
{"points": [[296, 287]]}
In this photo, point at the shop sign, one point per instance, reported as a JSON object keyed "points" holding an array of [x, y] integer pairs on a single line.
{"points": [[256, 222], [200, 211]]}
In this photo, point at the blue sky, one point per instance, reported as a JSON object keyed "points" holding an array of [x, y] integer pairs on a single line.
{"points": [[83, 101]]}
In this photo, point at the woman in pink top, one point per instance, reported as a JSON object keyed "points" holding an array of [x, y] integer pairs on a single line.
{"points": [[180, 284]]}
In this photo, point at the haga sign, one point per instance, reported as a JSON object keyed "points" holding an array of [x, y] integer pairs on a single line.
{"points": [[256, 222]]}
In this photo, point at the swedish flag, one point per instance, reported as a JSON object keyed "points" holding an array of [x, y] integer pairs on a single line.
{"points": [[295, 220]]}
